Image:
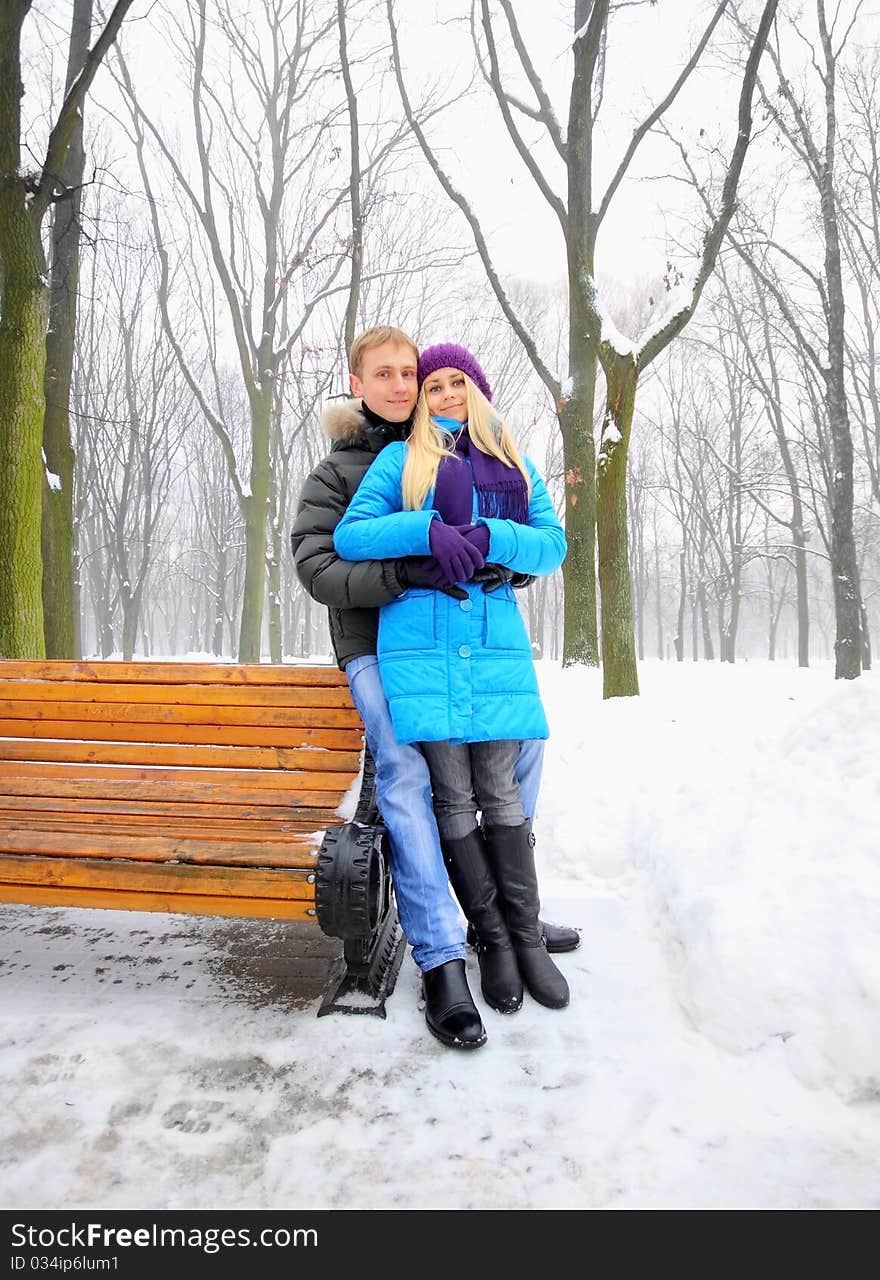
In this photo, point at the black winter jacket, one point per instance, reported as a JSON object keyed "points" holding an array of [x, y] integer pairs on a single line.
{"points": [[353, 592]]}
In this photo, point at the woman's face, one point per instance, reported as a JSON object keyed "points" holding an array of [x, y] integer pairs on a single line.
{"points": [[446, 394]]}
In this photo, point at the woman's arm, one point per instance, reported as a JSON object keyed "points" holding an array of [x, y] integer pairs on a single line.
{"points": [[538, 547], [375, 526]]}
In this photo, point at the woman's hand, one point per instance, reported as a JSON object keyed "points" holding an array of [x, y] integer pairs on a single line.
{"points": [[456, 556]]}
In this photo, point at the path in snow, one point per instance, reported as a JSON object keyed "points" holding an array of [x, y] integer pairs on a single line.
{"points": [[137, 1072]]}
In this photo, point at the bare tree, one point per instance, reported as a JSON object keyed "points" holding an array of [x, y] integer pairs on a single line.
{"points": [[762, 366], [276, 167], [589, 337], [135, 413], [859, 208], [357, 223], [25, 197], [816, 145], [60, 620]]}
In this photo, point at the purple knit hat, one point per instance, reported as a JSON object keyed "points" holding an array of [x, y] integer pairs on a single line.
{"points": [[448, 355]]}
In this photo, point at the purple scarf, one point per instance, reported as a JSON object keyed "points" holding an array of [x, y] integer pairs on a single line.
{"points": [[501, 490]]}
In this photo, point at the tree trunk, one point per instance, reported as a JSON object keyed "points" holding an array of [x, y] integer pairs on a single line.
{"points": [[708, 647], [638, 568], [22, 362], [305, 647], [130, 620], [580, 620], [217, 604], [844, 569], [256, 513], [658, 593], [57, 532], [682, 601], [580, 637], [866, 641], [803, 599], [273, 574], [357, 222], [620, 673], [730, 631], [773, 621]]}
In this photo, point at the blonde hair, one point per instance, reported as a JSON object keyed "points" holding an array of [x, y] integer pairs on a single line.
{"points": [[428, 444], [376, 337]]}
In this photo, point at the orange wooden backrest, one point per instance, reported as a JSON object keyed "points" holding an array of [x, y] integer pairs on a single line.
{"points": [[222, 766]]}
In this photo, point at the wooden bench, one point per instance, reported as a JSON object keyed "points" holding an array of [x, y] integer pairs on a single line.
{"points": [[205, 788]]}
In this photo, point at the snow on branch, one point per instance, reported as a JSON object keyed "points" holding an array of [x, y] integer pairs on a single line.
{"points": [[678, 299]]}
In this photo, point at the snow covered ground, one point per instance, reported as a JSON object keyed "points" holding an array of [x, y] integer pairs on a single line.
{"points": [[718, 842]]}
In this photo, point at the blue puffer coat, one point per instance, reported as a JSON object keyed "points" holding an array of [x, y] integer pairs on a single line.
{"points": [[457, 670]]}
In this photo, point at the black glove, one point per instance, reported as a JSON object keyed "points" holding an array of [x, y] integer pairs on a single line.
{"points": [[419, 571], [492, 576]]}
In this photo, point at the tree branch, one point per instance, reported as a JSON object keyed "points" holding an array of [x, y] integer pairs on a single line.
{"points": [[525, 152], [59, 138], [717, 232], [546, 113], [658, 111], [549, 380]]}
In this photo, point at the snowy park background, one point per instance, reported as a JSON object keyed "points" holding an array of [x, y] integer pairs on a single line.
{"points": [[716, 840]]}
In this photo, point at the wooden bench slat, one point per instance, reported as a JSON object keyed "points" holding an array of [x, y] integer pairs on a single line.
{"points": [[26, 810], [171, 754], [271, 736], [235, 779], [184, 695], [174, 713], [77, 788], [172, 903], [156, 847], [176, 673], [100, 825], [142, 877]]}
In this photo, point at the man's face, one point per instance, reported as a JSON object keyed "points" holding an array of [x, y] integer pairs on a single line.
{"points": [[387, 381]]}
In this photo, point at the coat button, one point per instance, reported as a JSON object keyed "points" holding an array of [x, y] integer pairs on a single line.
{"points": [[464, 651], [465, 606]]}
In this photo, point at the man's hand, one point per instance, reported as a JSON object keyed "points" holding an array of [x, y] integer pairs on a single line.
{"points": [[422, 571], [492, 576]]}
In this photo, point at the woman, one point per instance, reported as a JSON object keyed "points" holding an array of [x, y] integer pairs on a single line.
{"points": [[457, 668]]}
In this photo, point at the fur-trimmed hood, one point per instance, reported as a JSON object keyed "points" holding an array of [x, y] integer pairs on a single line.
{"points": [[343, 421]]}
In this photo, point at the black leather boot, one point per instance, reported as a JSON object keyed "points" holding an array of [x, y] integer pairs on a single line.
{"points": [[450, 1011], [557, 937], [471, 877], [512, 857]]}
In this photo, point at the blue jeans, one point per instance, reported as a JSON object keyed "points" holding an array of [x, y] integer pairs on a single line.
{"points": [[527, 771], [471, 777], [427, 909], [428, 912]]}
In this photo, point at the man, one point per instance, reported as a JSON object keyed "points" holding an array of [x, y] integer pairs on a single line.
{"points": [[383, 375]]}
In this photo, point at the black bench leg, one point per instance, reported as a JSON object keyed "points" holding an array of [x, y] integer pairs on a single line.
{"points": [[354, 900]]}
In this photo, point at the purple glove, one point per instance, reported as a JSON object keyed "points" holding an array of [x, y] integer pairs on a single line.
{"points": [[477, 535], [456, 557]]}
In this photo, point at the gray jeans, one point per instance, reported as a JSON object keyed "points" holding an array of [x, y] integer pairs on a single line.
{"points": [[472, 778]]}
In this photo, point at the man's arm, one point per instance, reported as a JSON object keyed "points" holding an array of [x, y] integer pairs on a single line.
{"points": [[340, 584]]}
